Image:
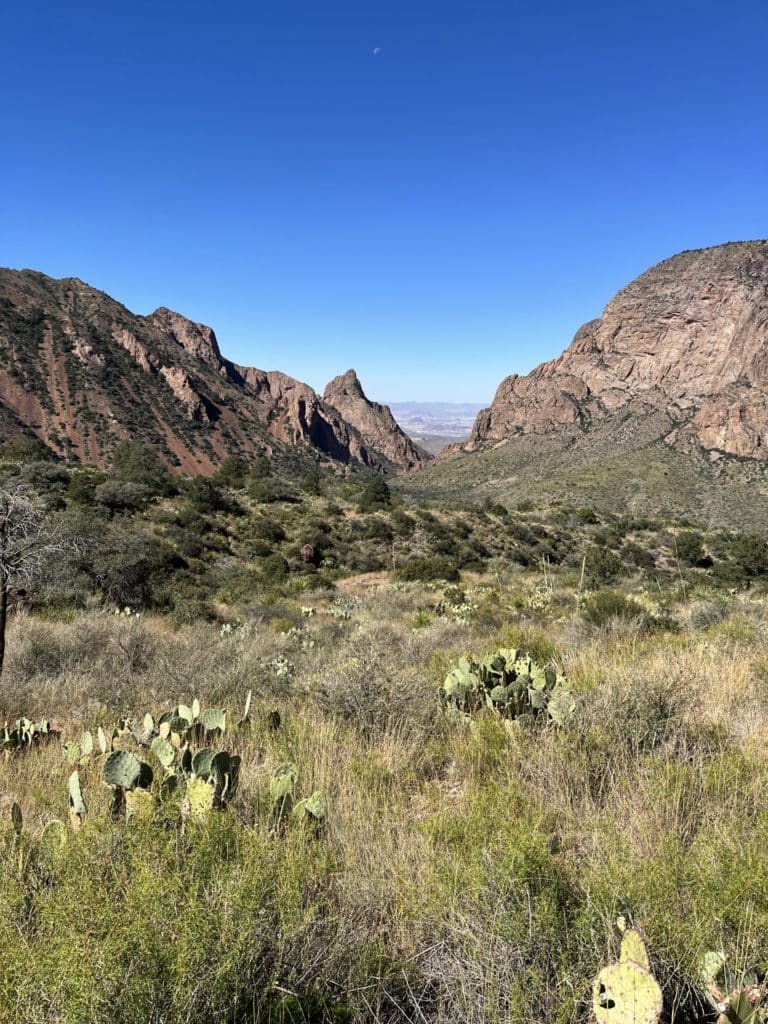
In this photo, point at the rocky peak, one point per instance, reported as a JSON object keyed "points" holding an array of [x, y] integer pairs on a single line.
{"points": [[375, 422], [82, 372], [346, 385], [198, 340], [689, 336]]}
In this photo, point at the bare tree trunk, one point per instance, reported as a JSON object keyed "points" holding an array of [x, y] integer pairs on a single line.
{"points": [[3, 617]]}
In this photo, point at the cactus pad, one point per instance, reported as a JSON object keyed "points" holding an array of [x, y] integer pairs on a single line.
{"points": [[123, 769], [634, 950], [283, 781], [626, 993], [163, 751], [214, 719]]}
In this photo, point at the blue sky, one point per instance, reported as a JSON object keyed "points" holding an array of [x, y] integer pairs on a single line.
{"points": [[436, 216]]}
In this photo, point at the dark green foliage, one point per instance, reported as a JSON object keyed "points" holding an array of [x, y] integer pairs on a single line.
{"points": [[128, 568], [204, 496], [26, 449], [271, 489], [689, 546], [232, 472], [122, 495], [46, 477], [380, 529], [634, 554], [265, 528], [135, 462], [376, 495], [602, 565], [81, 489], [403, 524], [749, 553], [310, 482], [274, 570]]}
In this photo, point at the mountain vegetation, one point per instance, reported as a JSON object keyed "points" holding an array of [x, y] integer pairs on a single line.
{"points": [[295, 748]]}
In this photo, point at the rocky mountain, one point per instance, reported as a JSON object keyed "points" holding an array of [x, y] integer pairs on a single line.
{"points": [[375, 423], [81, 372], [688, 337], [659, 405]]}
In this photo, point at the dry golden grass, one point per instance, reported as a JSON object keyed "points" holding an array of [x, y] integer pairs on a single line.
{"points": [[464, 874]]}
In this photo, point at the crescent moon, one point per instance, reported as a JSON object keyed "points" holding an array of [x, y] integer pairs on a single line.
{"points": [[376, 51]]}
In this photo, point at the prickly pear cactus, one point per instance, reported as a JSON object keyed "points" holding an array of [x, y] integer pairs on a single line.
{"points": [[740, 998], [164, 751], [77, 808], [283, 782], [314, 808], [198, 799], [124, 770], [214, 720], [627, 992], [510, 683]]}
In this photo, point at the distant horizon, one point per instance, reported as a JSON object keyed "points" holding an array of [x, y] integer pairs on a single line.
{"points": [[439, 214]]}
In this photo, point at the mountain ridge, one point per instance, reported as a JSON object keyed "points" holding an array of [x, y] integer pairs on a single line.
{"points": [[658, 405], [81, 372], [689, 334]]}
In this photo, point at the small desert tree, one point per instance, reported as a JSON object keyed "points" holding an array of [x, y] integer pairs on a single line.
{"points": [[27, 540]]}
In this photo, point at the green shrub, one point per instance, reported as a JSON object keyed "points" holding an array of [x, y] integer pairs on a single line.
{"points": [[232, 472], [749, 553], [136, 463], [376, 495], [634, 554], [689, 547], [602, 566], [604, 605], [204, 496], [274, 570], [122, 495]]}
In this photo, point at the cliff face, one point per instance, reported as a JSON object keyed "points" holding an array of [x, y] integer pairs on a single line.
{"points": [[689, 337], [82, 372], [375, 422]]}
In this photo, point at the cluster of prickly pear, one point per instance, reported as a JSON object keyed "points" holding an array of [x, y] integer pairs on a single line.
{"points": [[627, 992], [739, 998], [127, 775], [510, 683], [180, 728], [210, 780], [25, 734], [310, 811]]}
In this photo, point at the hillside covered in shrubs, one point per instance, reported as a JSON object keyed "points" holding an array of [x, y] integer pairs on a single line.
{"points": [[293, 749]]}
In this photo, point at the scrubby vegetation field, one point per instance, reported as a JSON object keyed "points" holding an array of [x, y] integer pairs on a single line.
{"points": [[475, 739]]}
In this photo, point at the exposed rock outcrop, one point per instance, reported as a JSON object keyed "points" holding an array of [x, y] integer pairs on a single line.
{"points": [[689, 337], [375, 422], [82, 372]]}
